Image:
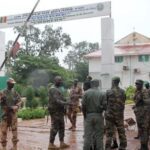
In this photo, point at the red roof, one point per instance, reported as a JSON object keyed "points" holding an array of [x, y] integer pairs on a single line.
{"points": [[126, 50]]}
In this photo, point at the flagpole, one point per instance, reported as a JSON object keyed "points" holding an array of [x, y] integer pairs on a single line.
{"points": [[14, 43]]}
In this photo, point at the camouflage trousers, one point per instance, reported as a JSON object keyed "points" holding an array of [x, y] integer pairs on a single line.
{"points": [[57, 126], [72, 114], [143, 122], [111, 124], [93, 131], [4, 128]]}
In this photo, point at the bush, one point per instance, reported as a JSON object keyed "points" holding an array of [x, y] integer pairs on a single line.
{"points": [[130, 92], [43, 96], [19, 88], [30, 96], [27, 114]]}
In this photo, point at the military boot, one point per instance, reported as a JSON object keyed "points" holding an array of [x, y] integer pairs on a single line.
{"points": [[114, 145], [64, 145], [52, 146], [144, 147]]}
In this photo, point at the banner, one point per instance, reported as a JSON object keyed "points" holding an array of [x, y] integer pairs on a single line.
{"points": [[56, 15]]}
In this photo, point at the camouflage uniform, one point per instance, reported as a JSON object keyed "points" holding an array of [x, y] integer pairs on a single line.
{"points": [[115, 115], [75, 94], [93, 105], [57, 112], [9, 117], [142, 113]]}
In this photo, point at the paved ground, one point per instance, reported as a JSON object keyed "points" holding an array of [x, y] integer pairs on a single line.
{"points": [[34, 134]]}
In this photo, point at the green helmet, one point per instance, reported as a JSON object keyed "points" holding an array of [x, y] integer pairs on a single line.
{"points": [[116, 79], [139, 82]]}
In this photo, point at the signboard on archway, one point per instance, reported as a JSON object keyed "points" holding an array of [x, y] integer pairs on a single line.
{"points": [[56, 15], [72, 13]]}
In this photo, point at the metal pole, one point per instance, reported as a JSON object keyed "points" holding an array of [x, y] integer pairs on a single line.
{"points": [[24, 25]]}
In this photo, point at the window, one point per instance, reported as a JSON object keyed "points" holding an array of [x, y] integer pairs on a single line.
{"points": [[143, 58], [118, 59]]}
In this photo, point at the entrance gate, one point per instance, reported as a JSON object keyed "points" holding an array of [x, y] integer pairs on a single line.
{"points": [[72, 13]]}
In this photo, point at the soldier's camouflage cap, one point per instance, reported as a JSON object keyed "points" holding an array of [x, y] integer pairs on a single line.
{"points": [[116, 79], [11, 80], [139, 82]]}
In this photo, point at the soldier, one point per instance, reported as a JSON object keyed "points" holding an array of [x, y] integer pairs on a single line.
{"points": [[141, 110], [57, 112], [87, 83], [75, 94], [10, 103], [115, 114], [93, 105]]}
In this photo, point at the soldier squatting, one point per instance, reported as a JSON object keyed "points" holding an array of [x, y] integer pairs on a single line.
{"points": [[103, 114]]}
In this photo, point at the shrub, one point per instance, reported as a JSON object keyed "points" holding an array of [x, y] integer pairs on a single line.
{"points": [[43, 96], [27, 114], [130, 92], [19, 88], [30, 96]]}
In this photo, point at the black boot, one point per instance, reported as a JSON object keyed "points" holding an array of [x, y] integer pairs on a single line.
{"points": [[144, 147], [114, 145]]}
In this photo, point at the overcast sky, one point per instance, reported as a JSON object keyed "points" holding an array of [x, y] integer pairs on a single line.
{"points": [[128, 15]]}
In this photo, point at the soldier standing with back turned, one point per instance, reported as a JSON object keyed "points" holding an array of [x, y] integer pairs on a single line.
{"points": [[115, 114], [10, 103], [93, 105]]}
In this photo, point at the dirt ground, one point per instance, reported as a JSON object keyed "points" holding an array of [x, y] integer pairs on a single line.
{"points": [[34, 134]]}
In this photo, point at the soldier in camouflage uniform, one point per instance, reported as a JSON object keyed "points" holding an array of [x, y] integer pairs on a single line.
{"points": [[57, 112], [115, 114], [75, 94], [93, 105], [142, 113], [10, 102]]}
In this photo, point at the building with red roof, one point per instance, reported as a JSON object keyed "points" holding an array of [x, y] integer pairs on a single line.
{"points": [[132, 59]]}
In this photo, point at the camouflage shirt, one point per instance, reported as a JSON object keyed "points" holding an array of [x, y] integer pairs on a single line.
{"points": [[56, 101], [115, 101], [12, 97], [75, 94]]}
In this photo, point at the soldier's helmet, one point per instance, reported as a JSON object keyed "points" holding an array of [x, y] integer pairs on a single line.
{"points": [[11, 80], [139, 82], [146, 83], [117, 79]]}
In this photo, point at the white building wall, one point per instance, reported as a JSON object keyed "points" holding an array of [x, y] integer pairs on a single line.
{"points": [[2, 51], [128, 76]]}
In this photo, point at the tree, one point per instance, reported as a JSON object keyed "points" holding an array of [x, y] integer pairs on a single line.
{"points": [[81, 70], [77, 53], [75, 58], [45, 43]]}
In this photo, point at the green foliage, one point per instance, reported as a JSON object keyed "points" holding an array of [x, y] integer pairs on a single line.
{"points": [[19, 88], [129, 101], [29, 96], [76, 55], [130, 92], [27, 114], [43, 96], [34, 103], [81, 70], [42, 43]]}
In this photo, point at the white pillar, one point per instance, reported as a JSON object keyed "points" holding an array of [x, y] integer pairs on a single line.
{"points": [[107, 41], [2, 51]]}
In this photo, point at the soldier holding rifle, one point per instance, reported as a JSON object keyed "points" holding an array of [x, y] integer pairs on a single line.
{"points": [[10, 102]]}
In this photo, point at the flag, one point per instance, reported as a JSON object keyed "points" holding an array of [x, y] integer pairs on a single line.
{"points": [[14, 50]]}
